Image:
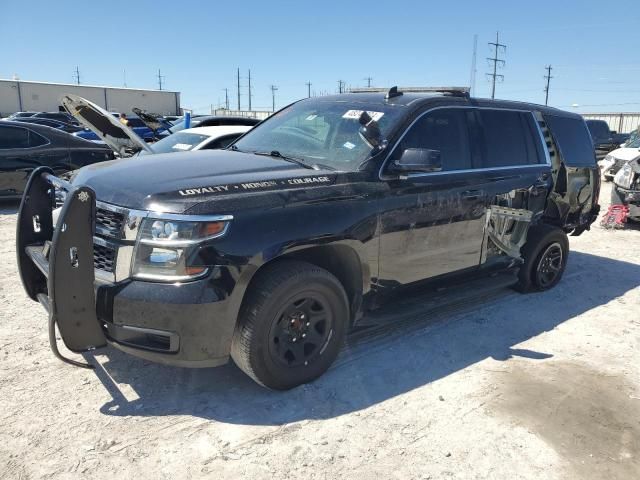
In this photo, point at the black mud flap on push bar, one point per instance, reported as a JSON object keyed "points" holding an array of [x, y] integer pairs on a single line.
{"points": [[69, 271]]}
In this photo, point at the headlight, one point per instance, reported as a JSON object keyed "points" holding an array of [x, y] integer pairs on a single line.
{"points": [[624, 176], [163, 246]]}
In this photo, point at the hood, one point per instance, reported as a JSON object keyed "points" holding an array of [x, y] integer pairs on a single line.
{"points": [[122, 139], [625, 154], [152, 120], [175, 182]]}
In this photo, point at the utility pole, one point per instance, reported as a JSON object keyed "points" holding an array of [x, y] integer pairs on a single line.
{"points": [[238, 88], [160, 77], [472, 80], [226, 98], [368, 79], [496, 61], [249, 89], [308, 84], [124, 77], [273, 97], [76, 75], [340, 85], [546, 89]]}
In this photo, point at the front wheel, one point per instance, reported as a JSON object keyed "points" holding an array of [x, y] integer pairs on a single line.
{"points": [[545, 258], [292, 325]]}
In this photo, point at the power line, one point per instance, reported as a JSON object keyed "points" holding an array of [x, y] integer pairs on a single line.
{"points": [[160, 77], [308, 84], [546, 89], [496, 61], [273, 97], [76, 75]]}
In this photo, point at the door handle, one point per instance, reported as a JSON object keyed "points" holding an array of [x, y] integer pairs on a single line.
{"points": [[471, 194]]}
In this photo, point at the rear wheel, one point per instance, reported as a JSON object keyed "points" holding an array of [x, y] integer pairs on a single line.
{"points": [[545, 258], [291, 326]]}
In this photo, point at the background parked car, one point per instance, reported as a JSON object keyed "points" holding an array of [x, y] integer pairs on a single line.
{"points": [[64, 126], [211, 121], [617, 159], [26, 146], [200, 138], [603, 138], [19, 115], [59, 116], [135, 123]]}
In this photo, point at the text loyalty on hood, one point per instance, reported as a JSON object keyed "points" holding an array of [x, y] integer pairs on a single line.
{"points": [[261, 185]]}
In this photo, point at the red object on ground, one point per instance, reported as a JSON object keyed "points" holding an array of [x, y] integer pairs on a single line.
{"points": [[615, 217]]}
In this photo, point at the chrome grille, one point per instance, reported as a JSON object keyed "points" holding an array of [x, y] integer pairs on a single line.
{"points": [[103, 258], [109, 222]]}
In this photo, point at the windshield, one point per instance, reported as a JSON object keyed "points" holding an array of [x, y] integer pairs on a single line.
{"points": [[320, 132], [178, 142], [179, 124], [634, 142]]}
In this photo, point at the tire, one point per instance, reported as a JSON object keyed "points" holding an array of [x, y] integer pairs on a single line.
{"points": [[545, 258], [291, 326]]}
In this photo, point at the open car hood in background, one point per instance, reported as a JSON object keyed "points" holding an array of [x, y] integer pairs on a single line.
{"points": [[152, 120], [122, 139]]}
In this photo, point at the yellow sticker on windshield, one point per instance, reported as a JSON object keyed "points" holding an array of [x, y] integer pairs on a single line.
{"points": [[355, 114]]}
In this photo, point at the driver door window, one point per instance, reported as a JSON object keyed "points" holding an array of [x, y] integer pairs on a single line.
{"points": [[444, 130]]}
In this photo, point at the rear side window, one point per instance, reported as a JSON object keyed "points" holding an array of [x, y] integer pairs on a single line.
{"points": [[572, 138], [445, 130], [14, 137], [509, 139], [35, 139]]}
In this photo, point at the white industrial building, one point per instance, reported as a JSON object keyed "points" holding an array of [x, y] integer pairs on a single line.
{"points": [[22, 96]]}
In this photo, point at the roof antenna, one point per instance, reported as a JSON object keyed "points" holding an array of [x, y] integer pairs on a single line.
{"points": [[393, 92]]}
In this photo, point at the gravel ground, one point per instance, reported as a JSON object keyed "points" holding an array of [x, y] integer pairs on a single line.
{"points": [[540, 386]]}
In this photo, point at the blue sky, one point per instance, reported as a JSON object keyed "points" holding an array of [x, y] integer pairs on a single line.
{"points": [[593, 46]]}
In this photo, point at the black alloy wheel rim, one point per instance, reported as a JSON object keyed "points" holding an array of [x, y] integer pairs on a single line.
{"points": [[550, 265], [301, 331]]}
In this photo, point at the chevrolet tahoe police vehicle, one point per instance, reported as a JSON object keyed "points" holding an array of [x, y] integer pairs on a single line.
{"points": [[270, 251]]}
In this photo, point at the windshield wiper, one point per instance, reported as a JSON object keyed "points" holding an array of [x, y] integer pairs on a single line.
{"points": [[277, 154]]}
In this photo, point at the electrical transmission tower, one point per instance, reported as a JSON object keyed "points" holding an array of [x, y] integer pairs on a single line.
{"points": [[226, 98], [368, 79], [340, 86], [76, 75], [308, 84], [238, 88], [160, 77], [546, 89], [250, 94], [273, 97], [498, 47]]}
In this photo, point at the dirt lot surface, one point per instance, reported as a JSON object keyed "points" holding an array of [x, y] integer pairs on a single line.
{"points": [[540, 386]]}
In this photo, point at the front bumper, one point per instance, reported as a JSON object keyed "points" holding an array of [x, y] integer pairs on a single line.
{"points": [[173, 324], [183, 324]]}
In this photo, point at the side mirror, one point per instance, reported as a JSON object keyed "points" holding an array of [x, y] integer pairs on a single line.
{"points": [[418, 160]]}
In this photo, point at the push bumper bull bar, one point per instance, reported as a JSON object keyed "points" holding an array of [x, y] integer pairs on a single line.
{"points": [[55, 262]]}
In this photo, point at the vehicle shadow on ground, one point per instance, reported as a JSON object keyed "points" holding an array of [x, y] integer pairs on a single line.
{"points": [[9, 207], [377, 367]]}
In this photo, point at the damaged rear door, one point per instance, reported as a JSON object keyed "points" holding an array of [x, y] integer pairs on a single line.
{"points": [[517, 178]]}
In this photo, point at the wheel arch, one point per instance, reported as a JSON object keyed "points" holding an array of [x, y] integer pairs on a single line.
{"points": [[342, 260]]}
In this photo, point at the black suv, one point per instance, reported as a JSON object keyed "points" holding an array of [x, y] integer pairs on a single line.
{"points": [[269, 252]]}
